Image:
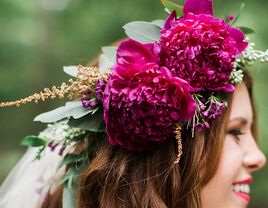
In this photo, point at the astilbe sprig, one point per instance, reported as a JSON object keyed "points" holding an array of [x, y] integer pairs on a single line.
{"points": [[87, 79], [177, 132]]}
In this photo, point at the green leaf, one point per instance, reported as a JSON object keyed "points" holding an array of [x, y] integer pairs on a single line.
{"points": [[104, 63], [63, 180], [73, 109], [70, 186], [110, 52], [68, 199], [33, 141], [79, 137], [171, 6], [94, 110], [143, 32], [238, 13], [39, 153], [72, 158], [70, 183], [246, 30], [72, 172], [107, 58], [70, 70], [159, 23], [92, 123]]}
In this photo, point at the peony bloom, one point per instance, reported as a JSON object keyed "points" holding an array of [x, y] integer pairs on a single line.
{"points": [[142, 101], [199, 48]]}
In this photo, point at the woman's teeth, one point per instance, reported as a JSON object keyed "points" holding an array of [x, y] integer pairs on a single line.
{"points": [[241, 188]]}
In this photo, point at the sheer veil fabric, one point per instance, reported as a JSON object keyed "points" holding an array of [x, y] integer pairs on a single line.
{"points": [[28, 183]]}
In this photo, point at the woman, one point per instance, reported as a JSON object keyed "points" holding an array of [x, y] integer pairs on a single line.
{"points": [[240, 156], [175, 132]]}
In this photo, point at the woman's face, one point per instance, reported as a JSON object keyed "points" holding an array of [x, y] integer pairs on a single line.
{"points": [[230, 187]]}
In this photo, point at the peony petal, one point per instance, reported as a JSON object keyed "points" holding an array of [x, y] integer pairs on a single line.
{"points": [[130, 70], [191, 108], [106, 99], [169, 20], [155, 49], [239, 37], [228, 88], [132, 56], [198, 7], [135, 52]]}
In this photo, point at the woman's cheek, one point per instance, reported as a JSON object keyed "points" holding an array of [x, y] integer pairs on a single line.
{"points": [[219, 189], [231, 159]]}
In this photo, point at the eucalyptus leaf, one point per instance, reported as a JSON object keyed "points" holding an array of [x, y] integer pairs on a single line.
{"points": [[33, 141], [73, 109], [143, 32], [63, 180], [104, 63], [92, 123], [70, 183], [107, 58], [171, 6], [79, 137], [246, 30], [72, 158], [71, 173], [67, 199], [94, 110], [159, 23], [110, 52], [70, 70]]}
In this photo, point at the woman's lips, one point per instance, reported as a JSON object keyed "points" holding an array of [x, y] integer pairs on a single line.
{"points": [[242, 189], [242, 195], [246, 181]]}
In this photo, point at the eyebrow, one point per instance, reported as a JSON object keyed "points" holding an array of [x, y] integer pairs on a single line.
{"points": [[242, 121]]}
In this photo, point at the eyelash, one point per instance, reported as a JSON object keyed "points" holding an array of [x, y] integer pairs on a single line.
{"points": [[235, 133]]}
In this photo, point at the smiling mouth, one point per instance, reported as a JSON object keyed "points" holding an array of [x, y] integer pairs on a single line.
{"points": [[242, 191]]}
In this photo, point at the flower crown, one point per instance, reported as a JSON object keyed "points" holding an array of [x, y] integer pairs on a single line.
{"points": [[168, 76]]}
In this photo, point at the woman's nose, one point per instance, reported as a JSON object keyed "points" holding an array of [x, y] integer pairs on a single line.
{"points": [[254, 158]]}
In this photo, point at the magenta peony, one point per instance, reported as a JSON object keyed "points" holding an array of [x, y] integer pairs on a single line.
{"points": [[142, 101], [199, 48]]}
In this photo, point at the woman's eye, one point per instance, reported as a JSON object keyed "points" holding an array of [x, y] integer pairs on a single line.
{"points": [[235, 133]]}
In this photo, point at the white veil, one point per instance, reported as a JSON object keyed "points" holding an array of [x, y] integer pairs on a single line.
{"points": [[28, 183]]}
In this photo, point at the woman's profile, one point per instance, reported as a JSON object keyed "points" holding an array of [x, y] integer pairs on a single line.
{"points": [[165, 119]]}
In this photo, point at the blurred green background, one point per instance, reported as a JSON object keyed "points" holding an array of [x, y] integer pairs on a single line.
{"points": [[39, 37]]}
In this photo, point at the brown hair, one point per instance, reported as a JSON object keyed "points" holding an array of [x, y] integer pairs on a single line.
{"points": [[118, 178]]}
